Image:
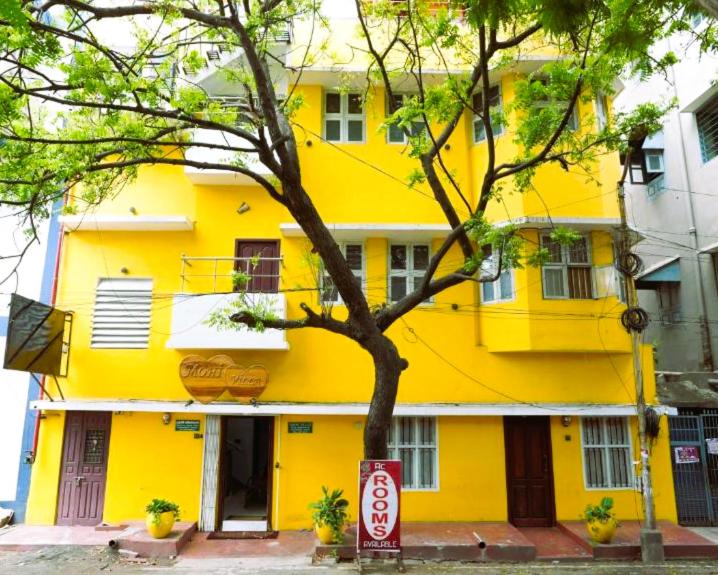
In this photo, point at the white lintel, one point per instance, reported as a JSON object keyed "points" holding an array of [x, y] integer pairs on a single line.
{"points": [[544, 222], [346, 231], [129, 223], [284, 408]]}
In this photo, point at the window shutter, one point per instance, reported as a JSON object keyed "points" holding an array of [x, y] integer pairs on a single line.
{"points": [[122, 313], [605, 278]]}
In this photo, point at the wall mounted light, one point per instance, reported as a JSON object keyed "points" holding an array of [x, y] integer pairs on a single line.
{"points": [[133, 210], [566, 420], [243, 208], [124, 271], [166, 418]]}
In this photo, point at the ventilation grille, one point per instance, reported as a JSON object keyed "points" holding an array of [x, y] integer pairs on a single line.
{"points": [[122, 314]]}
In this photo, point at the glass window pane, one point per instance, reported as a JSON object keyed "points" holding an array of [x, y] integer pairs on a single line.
{"points": [[392, 438], [398, 101], [333, 104], [426, 430], [554, 249], [487, 291], [417, 128], [553, 282], [595, 471], [354, 103], [505, 285], [592, 431], [620, 465], [406, 430], [580, 285], [329, 290], [426, 468], [479, 131], [354, 256], [333, 130], [398, 288], [494, 96], [398, 257], [421, 257], [407, 467], [396, 135], [578, 251], [355, 131]]}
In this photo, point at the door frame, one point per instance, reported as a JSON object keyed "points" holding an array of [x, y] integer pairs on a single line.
{"points": [[221, 464], [275, 241], [549, 455], [83, 415]]}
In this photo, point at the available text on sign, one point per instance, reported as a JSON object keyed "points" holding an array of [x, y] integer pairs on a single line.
{"points": [[379, 497]]}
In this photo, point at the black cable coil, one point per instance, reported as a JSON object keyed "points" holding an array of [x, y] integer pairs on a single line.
{"points": [[653, 420], [635, 319], [629, 263]]}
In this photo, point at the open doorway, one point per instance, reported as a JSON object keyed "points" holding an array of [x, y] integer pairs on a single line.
{"points": [[246, 473]]}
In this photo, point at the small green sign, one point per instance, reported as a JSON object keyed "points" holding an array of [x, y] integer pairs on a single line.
{"points": [[186, 424], [300, 426]]}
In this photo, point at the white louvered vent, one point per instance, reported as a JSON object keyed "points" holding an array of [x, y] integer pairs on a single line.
{"points": [[122, 313]]}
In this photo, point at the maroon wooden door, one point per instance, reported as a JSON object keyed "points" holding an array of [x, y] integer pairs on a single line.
{"points": [[84, 468], [265, 274], [529, 473]]}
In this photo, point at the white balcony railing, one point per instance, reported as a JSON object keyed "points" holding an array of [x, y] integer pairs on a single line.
{"points": [[192, 308]]}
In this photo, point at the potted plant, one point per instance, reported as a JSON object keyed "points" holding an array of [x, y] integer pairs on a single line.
{"points": [[161, 517], [601, 521], [330, 513]]}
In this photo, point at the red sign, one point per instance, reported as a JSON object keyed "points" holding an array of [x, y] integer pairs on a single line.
{"points": [[379, 497]]}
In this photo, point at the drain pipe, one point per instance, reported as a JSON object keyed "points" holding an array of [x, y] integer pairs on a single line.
{"points": [[706, 343], [53, 295]]}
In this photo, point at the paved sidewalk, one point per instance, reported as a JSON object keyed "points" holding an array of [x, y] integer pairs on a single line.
{"points": [[710, 533]]}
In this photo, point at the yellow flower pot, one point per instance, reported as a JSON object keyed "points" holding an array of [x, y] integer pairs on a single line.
{"points": [[160, 527], [602, 532], [324, 533]]}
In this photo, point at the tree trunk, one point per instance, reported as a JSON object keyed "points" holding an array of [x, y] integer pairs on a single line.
{"points": [[387, 369]]}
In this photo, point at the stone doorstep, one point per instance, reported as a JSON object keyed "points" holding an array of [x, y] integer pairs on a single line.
{"points": [[136, 539]]}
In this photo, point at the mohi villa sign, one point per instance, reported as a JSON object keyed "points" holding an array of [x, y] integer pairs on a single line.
{"points": [[207, 380]]}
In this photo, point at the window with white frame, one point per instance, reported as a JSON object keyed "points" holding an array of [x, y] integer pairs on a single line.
{"points": [[407, 265], [121, 318], [606, 445], [567, 273], [343, 117], [413, 441], [502, 288], [573, 121], [395, 134], [354, 255], [494, 106], [601, 104]]}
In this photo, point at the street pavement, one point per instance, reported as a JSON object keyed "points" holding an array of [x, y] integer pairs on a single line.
{"points": [[68, 560]]}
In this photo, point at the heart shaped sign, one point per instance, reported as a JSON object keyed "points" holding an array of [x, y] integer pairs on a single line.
{"points": [[207, 379]]}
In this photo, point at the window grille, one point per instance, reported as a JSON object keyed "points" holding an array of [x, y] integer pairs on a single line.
{"points": [[354, 255], [606, 452], [343, 117], [413, 441], [707, 120], [567, 273], [121, 318]]}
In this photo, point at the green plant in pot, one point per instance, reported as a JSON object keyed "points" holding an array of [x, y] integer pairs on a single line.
{"points": [[329, 515], [601, 521], [161, 517]]}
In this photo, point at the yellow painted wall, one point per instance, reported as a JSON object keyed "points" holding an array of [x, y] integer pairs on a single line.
{"points": [[529, 350]]}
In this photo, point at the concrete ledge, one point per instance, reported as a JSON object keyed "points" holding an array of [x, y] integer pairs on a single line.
{"points": [[136, 539]]}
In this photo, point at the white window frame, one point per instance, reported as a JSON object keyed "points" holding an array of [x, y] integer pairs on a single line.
{"points": [[600, 104], [574, 122], [654, 154], [414, 124], [409, 272], [393, 450], [361, 274], [344, 117], [564, 265], [489, 267], [706, 119], [606, 459], [112, 312], [476, 119]]}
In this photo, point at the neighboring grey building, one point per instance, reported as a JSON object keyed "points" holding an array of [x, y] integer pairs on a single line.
{"points": [[672, 200]]}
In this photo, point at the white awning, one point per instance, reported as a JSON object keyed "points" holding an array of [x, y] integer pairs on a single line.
{"points": [[401, 409]]}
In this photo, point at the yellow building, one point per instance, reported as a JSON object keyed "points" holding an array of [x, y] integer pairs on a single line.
{"points": [[518, 403]]}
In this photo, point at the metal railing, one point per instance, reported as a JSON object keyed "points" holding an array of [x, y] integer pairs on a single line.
{"points": [[217, 274]]}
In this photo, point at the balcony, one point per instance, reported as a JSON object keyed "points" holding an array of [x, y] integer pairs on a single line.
{"points": [[207, 286], [216, 177]]}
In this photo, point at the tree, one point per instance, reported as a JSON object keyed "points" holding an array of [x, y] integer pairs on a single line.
{"points": [[79, 115]]}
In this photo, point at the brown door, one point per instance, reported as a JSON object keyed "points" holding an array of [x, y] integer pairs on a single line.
{"points": [[84, 468], [265, 273], [529, 473]]}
